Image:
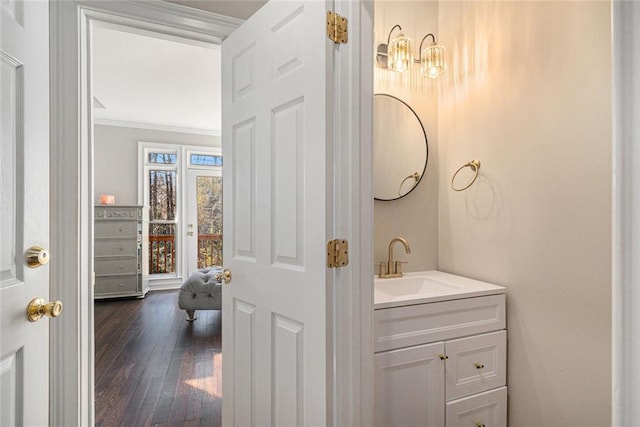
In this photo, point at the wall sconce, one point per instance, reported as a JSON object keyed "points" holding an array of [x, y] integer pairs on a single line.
{"points": [[396, 55], [432, 59]]}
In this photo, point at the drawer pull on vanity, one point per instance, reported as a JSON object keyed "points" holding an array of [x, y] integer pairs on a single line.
{"points": [[479, 424], [443, 356], [479, 366]]}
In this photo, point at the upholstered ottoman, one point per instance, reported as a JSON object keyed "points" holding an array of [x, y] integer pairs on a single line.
{"points": [[201, 291]]}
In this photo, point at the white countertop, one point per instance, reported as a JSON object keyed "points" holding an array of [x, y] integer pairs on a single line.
{"points": [[428, 286]]}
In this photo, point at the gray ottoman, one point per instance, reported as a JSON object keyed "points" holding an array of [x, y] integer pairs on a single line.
{"points": [[201, 291]]}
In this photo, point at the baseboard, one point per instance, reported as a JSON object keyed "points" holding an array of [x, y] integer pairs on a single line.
{"points": [[164, 286]]}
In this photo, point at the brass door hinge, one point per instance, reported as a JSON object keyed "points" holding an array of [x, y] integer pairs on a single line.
{"points": [[337, 253], [337, 27]]}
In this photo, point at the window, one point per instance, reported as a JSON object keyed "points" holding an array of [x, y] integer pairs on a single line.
{"points": [[162, 221], [205, 160]]}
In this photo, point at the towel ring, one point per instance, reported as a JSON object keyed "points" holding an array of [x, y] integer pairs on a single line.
{"points": [[475, 166], [416, 178]]}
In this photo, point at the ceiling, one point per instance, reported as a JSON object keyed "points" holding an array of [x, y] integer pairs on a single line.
{"points": [[153, 82]]}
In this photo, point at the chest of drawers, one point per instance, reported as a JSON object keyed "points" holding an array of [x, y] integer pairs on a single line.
{"points": [[120, 255]]}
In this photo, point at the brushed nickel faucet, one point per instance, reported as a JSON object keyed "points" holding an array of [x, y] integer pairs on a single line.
{"points": [[393, 268]]}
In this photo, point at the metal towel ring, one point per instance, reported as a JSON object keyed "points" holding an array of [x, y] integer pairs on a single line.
{"points": [[475, 166], [415, 176]]}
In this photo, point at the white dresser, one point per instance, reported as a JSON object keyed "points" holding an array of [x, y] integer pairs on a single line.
{"points": [[121, 258]]}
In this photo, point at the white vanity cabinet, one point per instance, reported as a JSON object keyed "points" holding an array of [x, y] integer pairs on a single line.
{"points": [[441, 364]]}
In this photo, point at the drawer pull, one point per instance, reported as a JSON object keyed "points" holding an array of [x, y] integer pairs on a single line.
{"points": [[121, 248], [120, 229], [121, 266], [479, 366], [121, 285], [479, 424], [443, 356]]}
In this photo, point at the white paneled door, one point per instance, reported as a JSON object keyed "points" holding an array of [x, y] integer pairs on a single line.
{"points": [[24, 210], [277, 215]]}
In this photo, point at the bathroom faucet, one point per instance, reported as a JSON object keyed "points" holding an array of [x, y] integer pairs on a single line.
{"points": [[393, 269]]}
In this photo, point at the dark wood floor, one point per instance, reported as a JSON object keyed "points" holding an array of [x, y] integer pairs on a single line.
{"points": [[155, 369]]}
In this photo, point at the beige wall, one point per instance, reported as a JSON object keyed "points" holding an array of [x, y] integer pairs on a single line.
{"points": [[116, 157], [415, 216], [528, 94]]}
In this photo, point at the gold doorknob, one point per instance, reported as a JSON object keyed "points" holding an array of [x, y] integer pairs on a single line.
{"points": [[224, 276], [38, 307], [37, 256]]}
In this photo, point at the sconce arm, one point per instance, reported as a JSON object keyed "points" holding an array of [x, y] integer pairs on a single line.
{"points": [[393, 28], [423, 39]]}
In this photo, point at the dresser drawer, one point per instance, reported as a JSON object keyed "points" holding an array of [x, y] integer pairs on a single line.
{"points": [[487, 409], [119, 212], [475, 364], [106, 286], [115, 229], [116, 247], [116, 266], [424, 323]]}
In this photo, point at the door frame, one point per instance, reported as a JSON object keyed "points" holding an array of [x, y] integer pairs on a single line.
{"points": [[626, 213], [350, 393]]}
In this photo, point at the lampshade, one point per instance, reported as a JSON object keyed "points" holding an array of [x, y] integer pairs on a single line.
{"points": [[432, 61], [399, 53]]}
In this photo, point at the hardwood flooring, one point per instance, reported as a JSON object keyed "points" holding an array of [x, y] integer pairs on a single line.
{"points": [[152, 367]]}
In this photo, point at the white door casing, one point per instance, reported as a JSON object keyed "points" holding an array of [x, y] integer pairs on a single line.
{"points": [[24, 210], [71, 346], [274, 139]]}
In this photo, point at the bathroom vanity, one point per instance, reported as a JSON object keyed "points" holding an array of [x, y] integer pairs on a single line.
{"points": [[440, 351]]}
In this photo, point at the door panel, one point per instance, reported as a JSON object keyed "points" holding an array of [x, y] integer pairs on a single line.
{"points": [[275, 145], [24, 209]]}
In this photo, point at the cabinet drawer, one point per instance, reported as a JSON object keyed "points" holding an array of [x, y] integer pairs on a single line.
{"points": [[119, 212], [476, 364], [487, 409], [115, 229], [116, 247], [116, 266], [116, 285], [424, 323]]}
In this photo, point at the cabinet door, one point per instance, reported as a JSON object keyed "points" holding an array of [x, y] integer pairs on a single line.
{"points": [[409, 387]]}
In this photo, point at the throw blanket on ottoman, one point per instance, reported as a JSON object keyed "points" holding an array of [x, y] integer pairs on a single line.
{"points": [[201, 291]]}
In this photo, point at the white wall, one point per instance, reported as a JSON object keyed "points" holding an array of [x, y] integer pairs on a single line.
{"points": [[116, 158], [415, 216], [529, 94]]}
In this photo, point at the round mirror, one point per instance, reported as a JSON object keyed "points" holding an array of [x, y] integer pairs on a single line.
{"points": [[400, 148]]}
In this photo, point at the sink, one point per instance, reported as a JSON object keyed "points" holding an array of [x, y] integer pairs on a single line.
{"points": [[428, 286]]}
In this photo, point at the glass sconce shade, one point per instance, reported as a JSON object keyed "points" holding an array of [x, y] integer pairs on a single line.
{"points": [[399, 53], [432, 61]]}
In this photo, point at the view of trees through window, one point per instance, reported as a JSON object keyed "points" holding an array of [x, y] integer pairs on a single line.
{"points": [[162, 221], [209, 202]]}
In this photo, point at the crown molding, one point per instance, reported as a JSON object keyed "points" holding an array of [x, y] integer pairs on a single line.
{"points": [[156, 127], [166, 18]]}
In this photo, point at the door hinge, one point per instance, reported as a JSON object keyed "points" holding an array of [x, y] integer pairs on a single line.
{"points": [[337, 253], [337, 27]]}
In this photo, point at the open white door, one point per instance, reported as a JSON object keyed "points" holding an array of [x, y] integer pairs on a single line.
{"points": [[24, 210], [278, 147]]}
